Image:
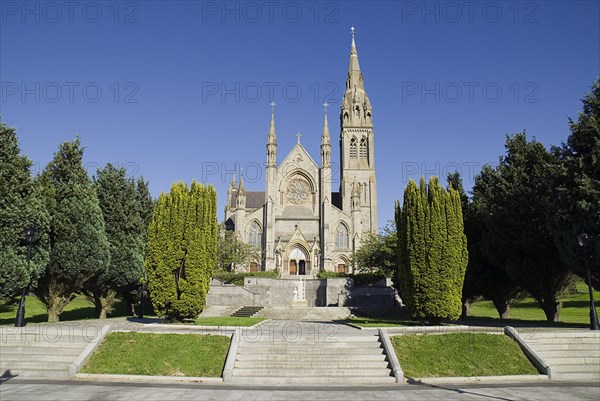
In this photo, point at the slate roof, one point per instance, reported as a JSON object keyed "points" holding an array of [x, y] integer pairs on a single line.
{"points": [[254, 199]]}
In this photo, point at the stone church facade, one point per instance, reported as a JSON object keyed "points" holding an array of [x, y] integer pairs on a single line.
{"points": [[298, 225]]}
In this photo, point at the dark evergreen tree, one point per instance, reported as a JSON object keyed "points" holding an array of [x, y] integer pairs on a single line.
{"points": [[512, 203], [21, 206], [576, 204], [482, 278], [78, 246], [125, 233]]}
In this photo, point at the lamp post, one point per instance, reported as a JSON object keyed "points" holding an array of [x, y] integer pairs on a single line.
{"points": [[584, 241], [30, 235]]}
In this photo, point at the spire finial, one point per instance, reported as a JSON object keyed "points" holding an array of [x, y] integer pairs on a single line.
{"points": [[352, 29], [273, 106], [325, 106], [298, 135]]}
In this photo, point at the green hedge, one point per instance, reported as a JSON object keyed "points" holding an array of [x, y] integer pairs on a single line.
{"points": [[364, 279], [331, 275], [360, 279], [238, 278]]}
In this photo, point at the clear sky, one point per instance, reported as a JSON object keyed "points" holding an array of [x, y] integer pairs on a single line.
{"points": [[181, 89]]}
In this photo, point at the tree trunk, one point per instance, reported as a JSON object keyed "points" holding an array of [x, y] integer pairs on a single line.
{"points": [[502, 307], [552, 310], [106, 302], [97, 303], [466, 309], [56, 304]]}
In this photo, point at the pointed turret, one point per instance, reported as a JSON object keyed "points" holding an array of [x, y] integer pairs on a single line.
{"points": [[242, 188], [241, 194], [325, 139], [325, 142], [272, 137], [272, 140]]}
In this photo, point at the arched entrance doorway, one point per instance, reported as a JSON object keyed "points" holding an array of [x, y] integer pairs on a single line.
{"points": [[297, 262]]}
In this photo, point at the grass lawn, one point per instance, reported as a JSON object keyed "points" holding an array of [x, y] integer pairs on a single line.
{"points": [[228, 321], [460, 354], [575, 309], [35, 312], [160, 355]]}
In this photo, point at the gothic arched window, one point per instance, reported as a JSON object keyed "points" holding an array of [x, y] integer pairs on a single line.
{"points": [[341, 237], [353, 148], [363, 148], [255, 235]]}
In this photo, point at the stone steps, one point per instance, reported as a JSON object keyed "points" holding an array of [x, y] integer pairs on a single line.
{"points": [[266, 350], [569, 360], [8, 351], [312, 372], [42, 351], [568, 367], [310, 345], [570, 355], [34, 365], [309, 364], [308, 381], [332, 357], [558, 347], [57, 358], [246, 311], [37, 373], [318, 356], [577, 376]]}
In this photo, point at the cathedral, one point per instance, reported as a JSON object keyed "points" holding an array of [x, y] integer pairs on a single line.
{"points": [[298, 225]]}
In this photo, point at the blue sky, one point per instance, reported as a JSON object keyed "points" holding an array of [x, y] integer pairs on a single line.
{"points": [[181, 90]]}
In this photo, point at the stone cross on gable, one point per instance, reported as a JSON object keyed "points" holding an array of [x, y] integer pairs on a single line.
{"points": [[298, 135]]}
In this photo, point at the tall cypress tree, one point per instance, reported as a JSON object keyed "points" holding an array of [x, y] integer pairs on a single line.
{"points": [[79, 249], [181, 250], [20, 207], [432, 251]]}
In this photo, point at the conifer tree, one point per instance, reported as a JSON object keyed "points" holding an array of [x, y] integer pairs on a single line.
{"points": [[21, 206], [432, 251], [124, 230], [79, 249], [181, 250]]}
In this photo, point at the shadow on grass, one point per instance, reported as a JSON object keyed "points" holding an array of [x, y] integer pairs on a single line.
{"points": [[80, 313], [496, 322]]}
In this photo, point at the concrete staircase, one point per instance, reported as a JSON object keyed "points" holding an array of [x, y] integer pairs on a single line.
{"points": [[310, 353], [315, 314], [246, 311], [571, 355], [40, 351]]}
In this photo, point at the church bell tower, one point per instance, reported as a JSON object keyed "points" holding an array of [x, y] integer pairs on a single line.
{"points": [[357, 153]]}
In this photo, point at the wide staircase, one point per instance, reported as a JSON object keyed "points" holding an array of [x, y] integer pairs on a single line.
{"points": [[310, 353], [41, 351], [571, 355], [247, 311]]}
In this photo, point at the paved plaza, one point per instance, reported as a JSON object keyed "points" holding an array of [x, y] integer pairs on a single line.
{"points": [[79, 390]]}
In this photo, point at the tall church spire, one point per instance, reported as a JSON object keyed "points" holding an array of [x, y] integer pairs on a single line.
{"points": [[356, 107], [355, 79]]}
